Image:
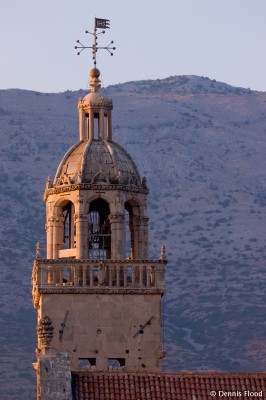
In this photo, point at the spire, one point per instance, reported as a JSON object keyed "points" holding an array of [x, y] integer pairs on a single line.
{"points": [[100, 23]]}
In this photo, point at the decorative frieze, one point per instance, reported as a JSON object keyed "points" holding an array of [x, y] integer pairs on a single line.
{"points": [[98, 101], [89, 186]]}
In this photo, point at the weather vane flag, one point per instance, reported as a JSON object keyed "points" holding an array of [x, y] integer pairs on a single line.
{"points": [[100, 23]]}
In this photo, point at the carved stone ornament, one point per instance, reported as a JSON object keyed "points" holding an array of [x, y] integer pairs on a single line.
{"points": [[85, 186], [45, 331], [34, 281], [101, 101], [163, 254], [38, 250]]}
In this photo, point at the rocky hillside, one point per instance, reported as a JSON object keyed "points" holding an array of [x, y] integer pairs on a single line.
{"points": [[201, 144]]}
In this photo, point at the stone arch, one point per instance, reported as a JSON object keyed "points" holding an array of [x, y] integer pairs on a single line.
{"points": [[65, 229], [94, 197]]}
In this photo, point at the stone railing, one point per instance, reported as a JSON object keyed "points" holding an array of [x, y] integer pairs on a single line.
{"points": [[116, 276]]}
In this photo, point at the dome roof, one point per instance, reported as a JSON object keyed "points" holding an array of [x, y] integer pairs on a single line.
{"points": [[97, 161]]}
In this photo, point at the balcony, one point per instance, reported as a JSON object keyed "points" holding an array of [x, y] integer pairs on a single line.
{"points": [[98, 276]]}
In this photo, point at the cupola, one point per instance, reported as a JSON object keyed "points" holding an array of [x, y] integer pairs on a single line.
{"points": [[97, 201]]}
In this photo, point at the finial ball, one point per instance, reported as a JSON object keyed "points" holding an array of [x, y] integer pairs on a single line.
{"points": [[95, 73]]}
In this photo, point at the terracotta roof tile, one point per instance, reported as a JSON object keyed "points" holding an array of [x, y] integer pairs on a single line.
{"points": [[166, 385]]}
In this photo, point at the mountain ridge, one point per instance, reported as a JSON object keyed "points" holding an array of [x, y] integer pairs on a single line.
{"points": [[201, 145]]}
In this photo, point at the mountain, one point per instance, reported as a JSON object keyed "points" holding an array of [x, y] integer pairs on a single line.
{"points": [[201, 144]]}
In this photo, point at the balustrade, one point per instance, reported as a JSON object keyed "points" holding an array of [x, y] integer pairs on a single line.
{"points": [[103, 274]]}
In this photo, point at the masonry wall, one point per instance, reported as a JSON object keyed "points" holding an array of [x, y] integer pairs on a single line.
{"points": [[107, 326], [53, 371]]}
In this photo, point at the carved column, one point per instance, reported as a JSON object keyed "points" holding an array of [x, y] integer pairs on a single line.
{"points": [[81, 124], [143, 238], [109, 126], [117, 236], [58, 235], [91, 125], [101, 124], [81, 235], [49, 237]]}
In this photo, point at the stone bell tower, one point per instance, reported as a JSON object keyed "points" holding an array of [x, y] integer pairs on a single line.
{"points": [[98, 295]]}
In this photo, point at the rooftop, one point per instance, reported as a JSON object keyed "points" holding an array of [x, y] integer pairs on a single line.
{"points": [[169, 386]]}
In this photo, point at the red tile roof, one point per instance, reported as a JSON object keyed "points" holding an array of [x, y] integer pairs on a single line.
{"points": [[168, 386]]}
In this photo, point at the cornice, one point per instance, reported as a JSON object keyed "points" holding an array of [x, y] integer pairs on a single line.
{"points": [[88, 186]]}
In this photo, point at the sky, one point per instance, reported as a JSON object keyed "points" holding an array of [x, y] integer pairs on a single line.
{"points": [[219, 39]]}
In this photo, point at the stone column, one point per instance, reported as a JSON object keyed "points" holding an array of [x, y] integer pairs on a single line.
{"points": [[58, 235], [109, 126], [49, 237], [117, 236], [81, 235], [81, 124], [135, 231], [101, 124], [91, 125], [143, 238]]}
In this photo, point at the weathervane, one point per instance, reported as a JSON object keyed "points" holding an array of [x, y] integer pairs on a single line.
{"points": [[101, 24]]}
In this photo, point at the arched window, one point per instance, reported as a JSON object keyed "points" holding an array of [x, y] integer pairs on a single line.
{"points": [[99, 230], [69, 238]]}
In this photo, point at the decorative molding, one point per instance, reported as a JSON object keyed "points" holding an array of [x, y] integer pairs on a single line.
{"points": [[113, 218], [101, 290], [89, 186], [96, 102], [34, 280], [96, 262], [80, 216]]}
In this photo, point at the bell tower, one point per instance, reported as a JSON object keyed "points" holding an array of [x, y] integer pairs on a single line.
{"points": [[97, 293]]}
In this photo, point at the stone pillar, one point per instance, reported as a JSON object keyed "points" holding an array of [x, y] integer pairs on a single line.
{"points": [[81, 124], [135, 231], [81, 235], [143, 238], [91, 125], [101, 124], [109, 126], [58, 235], [117, 236], [49, 237]]}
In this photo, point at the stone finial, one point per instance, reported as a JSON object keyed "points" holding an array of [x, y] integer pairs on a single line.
{"points": [[48, 182], [144, 182], [95, 82], [45, 331], [163, 255], [38, 250]]}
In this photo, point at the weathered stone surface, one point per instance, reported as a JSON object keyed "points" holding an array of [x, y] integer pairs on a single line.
{"points": [[54, 374]]}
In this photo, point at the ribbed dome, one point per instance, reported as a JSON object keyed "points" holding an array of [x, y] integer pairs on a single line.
{"points": [[97, 161]]}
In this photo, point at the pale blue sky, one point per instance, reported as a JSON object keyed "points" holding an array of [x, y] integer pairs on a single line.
{"points": [[219, 39]]}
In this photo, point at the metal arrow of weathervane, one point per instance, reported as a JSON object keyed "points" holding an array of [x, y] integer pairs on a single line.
{"points": [[101, 24]]}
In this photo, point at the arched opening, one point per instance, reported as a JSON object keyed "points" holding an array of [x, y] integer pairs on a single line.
{"points": [[99, 235], [69, 229]]}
